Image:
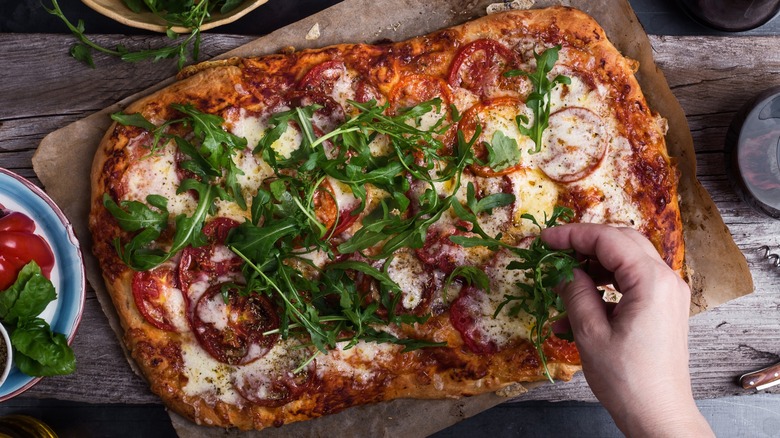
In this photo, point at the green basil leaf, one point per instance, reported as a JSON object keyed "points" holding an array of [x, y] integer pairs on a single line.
{"points": [[40, 352], [28, 296]]}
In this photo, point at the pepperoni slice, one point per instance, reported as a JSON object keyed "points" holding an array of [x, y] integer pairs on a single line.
{"points": [[322, 78], [158, 298], [574, 145], [479, 67], [463, 317], [209, 262], [278, 385], [472, 313], [231, 329], [412, 90], [493, 116], [439, 252]]}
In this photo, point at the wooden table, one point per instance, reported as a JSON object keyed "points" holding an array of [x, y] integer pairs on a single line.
{"points": [[43, 89]]}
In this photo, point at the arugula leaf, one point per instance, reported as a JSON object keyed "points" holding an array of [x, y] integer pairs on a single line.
{"points": [[503, 152], [539, 99], [28, 296], [40, 352]]}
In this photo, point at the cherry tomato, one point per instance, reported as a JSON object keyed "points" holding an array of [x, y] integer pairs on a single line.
{"points": [[19, 245]]}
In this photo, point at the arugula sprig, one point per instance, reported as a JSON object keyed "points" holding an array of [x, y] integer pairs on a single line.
{"points": [[210, 151], [539, 99], [284, 224], [544, 268], [189, 14]]}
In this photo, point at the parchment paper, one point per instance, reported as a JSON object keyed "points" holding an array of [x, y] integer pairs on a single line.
{"points": [[717, 269]]}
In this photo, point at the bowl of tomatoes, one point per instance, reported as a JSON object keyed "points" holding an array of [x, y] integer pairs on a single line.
{"points": [[42, 284]]}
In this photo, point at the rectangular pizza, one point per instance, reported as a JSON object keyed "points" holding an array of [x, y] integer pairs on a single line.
{"points": [[288, 236]]}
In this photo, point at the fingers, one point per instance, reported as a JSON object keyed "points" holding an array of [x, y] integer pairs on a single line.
{"points": [[618, 250], [584, 306]]}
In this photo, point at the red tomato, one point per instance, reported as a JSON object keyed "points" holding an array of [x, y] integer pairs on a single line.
{"points": [[150, 289], [232, 331], [19, 245], [479, 66], [509, 107]]}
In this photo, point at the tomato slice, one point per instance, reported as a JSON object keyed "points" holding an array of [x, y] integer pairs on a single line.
{"points": [[494, 115], [412, 90], [15, 221], [232, 330], [158, 298], [17, 248], [479, 67], [331, 78], [328, 211], [209, 262]]}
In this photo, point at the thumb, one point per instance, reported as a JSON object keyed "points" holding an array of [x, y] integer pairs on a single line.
{"points": [[584, 306]]}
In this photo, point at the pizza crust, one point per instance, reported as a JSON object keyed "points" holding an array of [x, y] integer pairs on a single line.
{"points": [[215, 86]]}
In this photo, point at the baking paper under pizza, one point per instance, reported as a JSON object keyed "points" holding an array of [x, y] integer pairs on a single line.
{"points": [[288, 236]]}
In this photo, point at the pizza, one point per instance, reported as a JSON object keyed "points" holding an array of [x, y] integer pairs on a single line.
{"points": [[288, 236]]}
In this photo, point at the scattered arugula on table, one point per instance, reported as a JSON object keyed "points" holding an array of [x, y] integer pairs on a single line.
{"points": [[189, 14], [38, 351], [539, 99]]}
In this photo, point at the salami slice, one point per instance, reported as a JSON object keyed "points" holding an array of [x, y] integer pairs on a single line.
{"points": [[574, 145]]}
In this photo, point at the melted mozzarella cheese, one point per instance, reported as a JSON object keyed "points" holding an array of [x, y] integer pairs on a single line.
{"points": [[343, 90], [406, 270], [535, 194], [206, 376], [380, 146], [358, 363], [288, 142], [175, 307], [612, 178], [249, 127], [502, 328], [156, 175], [214, 311]]}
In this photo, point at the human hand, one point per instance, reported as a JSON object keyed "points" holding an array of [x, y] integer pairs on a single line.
{"points": [[635, 353]]}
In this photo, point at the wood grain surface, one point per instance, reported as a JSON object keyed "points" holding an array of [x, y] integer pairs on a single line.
{"points": [[43, 89]]}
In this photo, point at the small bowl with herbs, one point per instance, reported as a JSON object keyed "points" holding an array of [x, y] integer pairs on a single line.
{"points": [[179, 16], [42, 285]]}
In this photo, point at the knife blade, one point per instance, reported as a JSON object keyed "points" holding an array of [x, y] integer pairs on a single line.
{"points": [[761, 379]]}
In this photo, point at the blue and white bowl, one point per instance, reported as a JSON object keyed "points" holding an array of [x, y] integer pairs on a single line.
{"points": [[64, 313]]}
